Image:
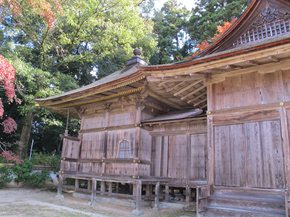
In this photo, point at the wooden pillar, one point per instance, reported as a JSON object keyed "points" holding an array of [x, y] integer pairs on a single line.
{"points": [[210, 158], [110, 188], [148, 190], [138, 210], [76, 184], [94, 185], [166, 192], [188, 194], [134, 189], [59, 189], [89, 184], [102, 187], [285, 136], [157, 194], [117, 187]]}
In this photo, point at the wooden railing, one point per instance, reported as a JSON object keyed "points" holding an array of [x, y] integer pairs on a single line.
{"points": [[202, 193]]}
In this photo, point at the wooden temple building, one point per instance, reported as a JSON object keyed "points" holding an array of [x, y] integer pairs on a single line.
{"points": [[215, 126]]}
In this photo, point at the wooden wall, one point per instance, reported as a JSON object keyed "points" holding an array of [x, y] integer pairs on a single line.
{"points": [[179, 151], [248, 130], [101, 133], [251, 89]]}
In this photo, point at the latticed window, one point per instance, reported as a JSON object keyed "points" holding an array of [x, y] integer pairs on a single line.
{"points": [[124, 149]]}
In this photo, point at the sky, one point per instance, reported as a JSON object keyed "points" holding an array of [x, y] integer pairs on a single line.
{"points": [[188, 3]]}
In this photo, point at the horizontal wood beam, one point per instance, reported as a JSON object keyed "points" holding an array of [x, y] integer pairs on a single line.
{"points": [[69, 138], [187, 87], [273, 58], [168, 79], [266, 68], [100, 129], [252, 62], [233, 67]]}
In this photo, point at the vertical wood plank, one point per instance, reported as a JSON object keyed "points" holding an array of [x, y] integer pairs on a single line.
{"points": [[210, 151], [165, 157], [157, 194]]}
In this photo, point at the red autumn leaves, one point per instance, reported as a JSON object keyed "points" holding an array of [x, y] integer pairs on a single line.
{"points": [[220, 29]]}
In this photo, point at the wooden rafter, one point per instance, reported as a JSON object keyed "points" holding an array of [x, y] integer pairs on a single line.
{"points": [[162, 83], [174, 86], [195, 91], [154, 95], [203, 106], [195, 98], [201, 101], [187, 87]]}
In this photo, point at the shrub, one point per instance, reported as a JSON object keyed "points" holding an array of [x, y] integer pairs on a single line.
{"points": [[23, 171], [5, 175], [39, 178]]}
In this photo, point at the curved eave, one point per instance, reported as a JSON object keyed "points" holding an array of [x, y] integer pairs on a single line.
{"points": [[75, 98]]}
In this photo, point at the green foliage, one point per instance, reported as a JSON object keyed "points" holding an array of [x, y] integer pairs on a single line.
{"points": [[170, 25], [46, 160], [207, 15], [24, 174], [23, 171], [5, 175], [39, 178]]}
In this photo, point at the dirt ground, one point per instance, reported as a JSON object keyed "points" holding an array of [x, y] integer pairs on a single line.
{"points": [[22, 202]]}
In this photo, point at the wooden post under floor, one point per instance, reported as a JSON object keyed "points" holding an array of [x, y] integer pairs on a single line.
{"points": [[134, 189], [188, 194], [110, 187], [94, 185], [117, 187], [76, 184], [102, 188], [89, 184], [166, 192], [59, 189], [157, 194], [138, 191]]}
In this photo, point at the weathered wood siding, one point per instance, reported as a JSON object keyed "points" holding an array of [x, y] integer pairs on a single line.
{"points": [[71, 149], [251, 89], [179, 151], [250, 133], [249, 155]]}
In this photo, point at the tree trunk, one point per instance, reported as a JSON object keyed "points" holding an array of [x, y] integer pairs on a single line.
{"points": [[25, 135]]}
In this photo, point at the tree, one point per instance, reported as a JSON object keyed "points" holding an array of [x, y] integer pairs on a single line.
{"points": [[7, 77], [207, 15], [82, 33], [170, 26]]}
